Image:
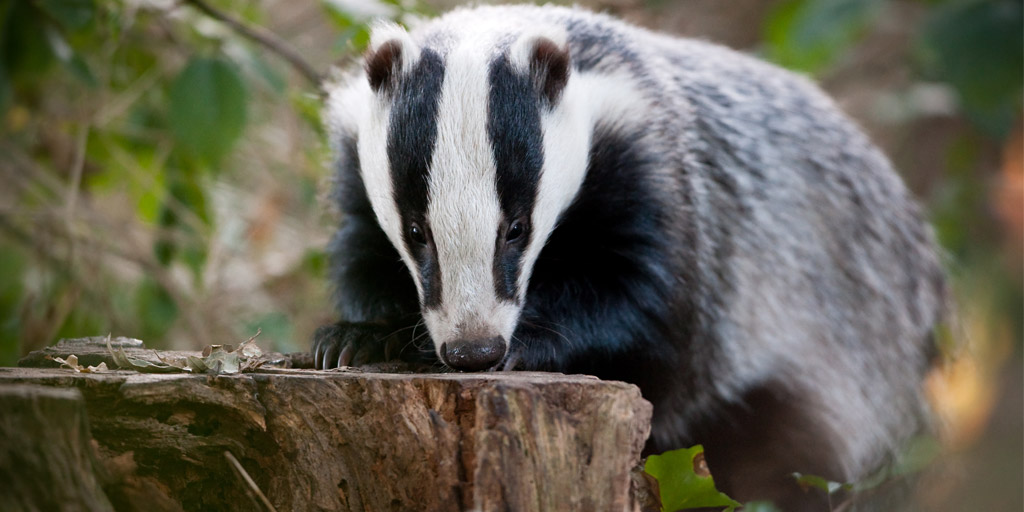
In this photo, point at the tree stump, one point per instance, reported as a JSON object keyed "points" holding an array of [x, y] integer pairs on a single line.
{"points": [[47, 460], [324, 440]]}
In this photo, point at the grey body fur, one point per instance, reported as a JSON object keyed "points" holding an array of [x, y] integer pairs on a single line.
{"points": [[808, 269]]}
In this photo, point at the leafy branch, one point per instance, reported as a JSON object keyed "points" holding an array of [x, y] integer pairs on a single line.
{"points": [[263, 37]]}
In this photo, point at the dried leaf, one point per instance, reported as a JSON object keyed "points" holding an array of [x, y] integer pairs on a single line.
{"points": [[70, 363], [227, 359], [100, 368], [140, 365], [252, 355], [197, 365], [222, 361], [250, 349]]}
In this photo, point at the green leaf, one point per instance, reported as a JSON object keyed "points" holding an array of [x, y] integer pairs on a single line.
{"points": [[817, 482], [920, 452], [13, 268], [124, 165], [314, 262], [69, 57], [83, 318], [208, 108], [308, 107], [337, 15], [194, 256], [155, 308], [186, 191], [760, 506], [680, 485], [959, 199], [185, 184], [71, 14], [810, 35], [976, 47], [147, 206], [81, 70], [23, 40], [5, 79], [345, 13], [5, 90]]}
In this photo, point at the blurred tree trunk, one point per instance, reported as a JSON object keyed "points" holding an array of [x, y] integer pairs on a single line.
{"points": [[47, 460]]}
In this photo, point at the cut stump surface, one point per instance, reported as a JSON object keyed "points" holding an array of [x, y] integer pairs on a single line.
{"points": [[335, 440]]}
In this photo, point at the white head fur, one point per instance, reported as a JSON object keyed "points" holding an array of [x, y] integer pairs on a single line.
{"points": [[464, 212]]}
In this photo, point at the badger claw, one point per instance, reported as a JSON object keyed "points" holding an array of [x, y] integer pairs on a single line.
{"points": [[340, 345], [344, 344]]}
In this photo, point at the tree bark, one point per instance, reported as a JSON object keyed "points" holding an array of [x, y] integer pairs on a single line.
{"points": [[337, 440], [47, 460]]}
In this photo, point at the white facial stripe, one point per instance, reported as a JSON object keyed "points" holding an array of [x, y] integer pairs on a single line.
{"points": [[464, 211], [588, 98], [357, 106]]}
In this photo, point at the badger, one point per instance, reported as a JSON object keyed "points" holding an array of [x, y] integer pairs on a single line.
{"points": [[545, 188]]}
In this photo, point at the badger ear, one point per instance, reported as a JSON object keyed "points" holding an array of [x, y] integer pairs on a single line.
{"points": [[391, 54], [546, 58]]}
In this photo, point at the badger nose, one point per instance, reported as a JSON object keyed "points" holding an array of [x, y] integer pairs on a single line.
{"points": [[474, 354]]}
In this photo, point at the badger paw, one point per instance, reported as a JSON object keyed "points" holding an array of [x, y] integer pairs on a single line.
{"points": [[338, 345], [344, 344]]}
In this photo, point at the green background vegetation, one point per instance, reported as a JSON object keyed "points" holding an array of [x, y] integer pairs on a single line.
{"points": [[165, 178]]}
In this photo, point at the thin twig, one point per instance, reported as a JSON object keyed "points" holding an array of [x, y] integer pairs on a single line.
{"points": [[249, 481], [75, 186], [76, 171], [264, 37]]}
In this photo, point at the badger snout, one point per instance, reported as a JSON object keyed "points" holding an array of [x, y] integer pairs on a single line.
{"points": [[472, 355]]}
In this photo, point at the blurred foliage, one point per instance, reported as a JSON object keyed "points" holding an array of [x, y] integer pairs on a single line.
{"points": [[974, 45], [977, 47], [156, 186], [809, 35], [207, 109]]}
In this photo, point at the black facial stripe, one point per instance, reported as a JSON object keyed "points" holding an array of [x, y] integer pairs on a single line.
{"points": [[513, 125], [507, 259], [430, 272], [412, 132]]}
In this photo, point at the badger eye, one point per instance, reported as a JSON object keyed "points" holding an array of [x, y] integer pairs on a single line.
{"points": [[416, 234], [515, 231]]}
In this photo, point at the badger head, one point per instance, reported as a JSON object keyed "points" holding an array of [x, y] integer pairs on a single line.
{"points": [[469, 154]]}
